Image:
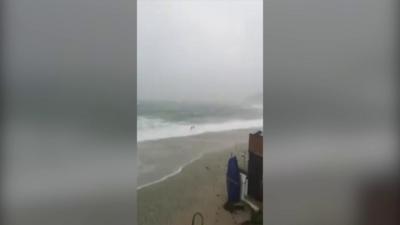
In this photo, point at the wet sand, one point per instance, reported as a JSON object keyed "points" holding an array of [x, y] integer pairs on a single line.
{"points": [[161, 158], [199, 187]]}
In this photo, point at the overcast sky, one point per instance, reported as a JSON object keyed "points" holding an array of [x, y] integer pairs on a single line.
{"points": [[330, 52], [199, 50]]}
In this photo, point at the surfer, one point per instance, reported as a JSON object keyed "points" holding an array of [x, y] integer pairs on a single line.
{"points": [[192, 127]]}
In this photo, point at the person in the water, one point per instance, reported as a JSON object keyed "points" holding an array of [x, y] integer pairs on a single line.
{"points": [[192, 127]]}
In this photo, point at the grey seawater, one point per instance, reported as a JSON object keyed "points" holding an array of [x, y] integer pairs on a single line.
{"points": [[177, 133], [201, 112]]}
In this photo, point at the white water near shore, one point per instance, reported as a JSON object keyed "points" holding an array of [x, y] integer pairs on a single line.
{"points": [[155, 129], [163, 159], [176, 172]]}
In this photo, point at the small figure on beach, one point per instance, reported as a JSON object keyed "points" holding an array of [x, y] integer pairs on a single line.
{"points": [[192, 127]]}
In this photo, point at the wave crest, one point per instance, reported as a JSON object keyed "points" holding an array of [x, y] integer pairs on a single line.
{"points": [[155, 129]]}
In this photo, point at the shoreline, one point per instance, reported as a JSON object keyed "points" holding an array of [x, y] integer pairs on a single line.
{"points": [[228, 138], [174, 173], [203, 128], [199, 187]]}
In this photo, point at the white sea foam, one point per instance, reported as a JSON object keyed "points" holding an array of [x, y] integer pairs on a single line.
{"points": [[176, 172], [154, 129]]}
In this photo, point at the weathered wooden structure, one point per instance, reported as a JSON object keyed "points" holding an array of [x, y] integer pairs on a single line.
{"points": [[380, 201], [255, 166]]}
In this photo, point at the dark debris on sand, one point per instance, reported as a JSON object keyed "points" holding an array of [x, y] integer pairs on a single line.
{"points": [[233, 207], [256, 219]]}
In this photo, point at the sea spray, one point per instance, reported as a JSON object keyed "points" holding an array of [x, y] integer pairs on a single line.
{"points": [[155, 129]]}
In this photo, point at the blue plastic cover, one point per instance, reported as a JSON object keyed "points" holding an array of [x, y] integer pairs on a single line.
{"points": [[233, 180]]}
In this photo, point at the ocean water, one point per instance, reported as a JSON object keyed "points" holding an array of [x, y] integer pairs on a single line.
{"points": [[159, 120]]}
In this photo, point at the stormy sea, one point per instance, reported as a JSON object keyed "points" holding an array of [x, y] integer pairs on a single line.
{"points": [[172, 135]]}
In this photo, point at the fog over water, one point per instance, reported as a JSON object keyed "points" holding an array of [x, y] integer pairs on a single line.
{"points": [[199, 50], [199, 67]]}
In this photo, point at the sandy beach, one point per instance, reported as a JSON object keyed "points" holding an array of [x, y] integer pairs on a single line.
{"points": [[161, 158], [199, 187]]}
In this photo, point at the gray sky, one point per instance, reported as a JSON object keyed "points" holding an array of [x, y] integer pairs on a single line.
{"points": [[318, 53], [199, 50]]}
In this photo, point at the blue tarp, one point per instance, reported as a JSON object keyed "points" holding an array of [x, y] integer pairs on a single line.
{"points": [[233, 180]]}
